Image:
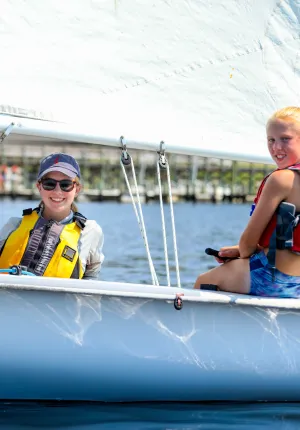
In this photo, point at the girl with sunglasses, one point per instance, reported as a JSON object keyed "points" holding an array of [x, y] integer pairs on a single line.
{"points": [[54, 239]]}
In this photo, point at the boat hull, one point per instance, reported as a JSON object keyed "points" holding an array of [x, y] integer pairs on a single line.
{"points": [[105, 345]]}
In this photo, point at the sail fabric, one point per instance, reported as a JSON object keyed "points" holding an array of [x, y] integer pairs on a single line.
{"points": [[195, 73]]}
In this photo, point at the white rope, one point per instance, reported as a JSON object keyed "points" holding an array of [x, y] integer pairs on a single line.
{"points": [[163, 225], [140, 218], [163, 163], [173, 227]]}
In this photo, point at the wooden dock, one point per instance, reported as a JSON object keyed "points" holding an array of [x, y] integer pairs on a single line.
{"points": [[117, 195]]}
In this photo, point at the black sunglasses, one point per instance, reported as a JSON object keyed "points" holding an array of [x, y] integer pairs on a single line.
{"points": [[49, 184]]}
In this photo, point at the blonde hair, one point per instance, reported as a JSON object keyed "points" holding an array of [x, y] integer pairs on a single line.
{"points": [[290, 113], [74, 207]]}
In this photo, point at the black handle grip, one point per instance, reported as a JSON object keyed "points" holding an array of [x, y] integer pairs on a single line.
{"points": [[215, 253]]}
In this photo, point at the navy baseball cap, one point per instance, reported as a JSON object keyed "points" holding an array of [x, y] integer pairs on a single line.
{"points": [[59, 162]]}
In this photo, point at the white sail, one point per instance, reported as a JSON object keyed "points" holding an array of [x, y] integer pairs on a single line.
{"points": [[197, 74]]}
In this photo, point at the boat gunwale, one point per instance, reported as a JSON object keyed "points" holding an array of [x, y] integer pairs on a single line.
{"points": [[128, 290]]}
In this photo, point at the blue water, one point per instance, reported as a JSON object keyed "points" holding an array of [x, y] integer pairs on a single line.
{"points": [[198, 226], [155, 416]]}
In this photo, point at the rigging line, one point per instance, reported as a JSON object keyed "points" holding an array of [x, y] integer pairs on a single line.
{"points": [[6, 132], [143, 224], [163, 225], [173, 225], [140, 219]]}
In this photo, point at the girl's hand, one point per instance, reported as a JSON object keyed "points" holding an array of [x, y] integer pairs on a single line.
{"points": [[229, 252]]}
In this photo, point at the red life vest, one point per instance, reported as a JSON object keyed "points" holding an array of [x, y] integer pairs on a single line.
{"points": [[264, 241]]}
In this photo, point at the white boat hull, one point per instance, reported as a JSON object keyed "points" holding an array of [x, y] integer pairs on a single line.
{"points": [[100, 341]]}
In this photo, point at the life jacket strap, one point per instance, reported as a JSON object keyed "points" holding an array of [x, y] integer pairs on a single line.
{"points": [[76, 271], [282, 236], [29, 211], [79, 219]]}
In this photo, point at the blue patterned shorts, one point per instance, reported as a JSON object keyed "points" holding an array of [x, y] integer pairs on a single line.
{"points": [[269, 282]]}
